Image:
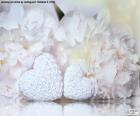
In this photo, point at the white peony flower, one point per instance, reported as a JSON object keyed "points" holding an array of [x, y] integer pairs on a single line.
{"points": [[37, 25], [15, 58], [32, 23], [15, 52], [11, 19], [74, 27]]}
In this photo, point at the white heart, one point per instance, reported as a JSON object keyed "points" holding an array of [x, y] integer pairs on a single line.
{"points": [[44, 81], [76, 85]]}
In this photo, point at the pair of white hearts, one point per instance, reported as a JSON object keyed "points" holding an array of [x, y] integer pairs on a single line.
{"points": [[45, 82]]}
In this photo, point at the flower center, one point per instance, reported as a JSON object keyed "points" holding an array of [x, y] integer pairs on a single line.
{"points": [[89, 74]]}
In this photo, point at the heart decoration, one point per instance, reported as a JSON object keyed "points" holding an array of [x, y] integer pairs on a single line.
{"points": [[76, 85], [44, 81]]}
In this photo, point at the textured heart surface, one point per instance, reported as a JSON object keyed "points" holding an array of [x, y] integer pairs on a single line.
{"points": [[44, 81], [76, 85]]}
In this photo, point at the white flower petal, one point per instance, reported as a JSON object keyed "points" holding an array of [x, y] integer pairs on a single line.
{"points": [[64, 6], [50, 24], [33, 19], [88, 9], [50, 8], [72, 29], [32, 22], [37, 47], [108, 72], [123, 77], [12, 19]]}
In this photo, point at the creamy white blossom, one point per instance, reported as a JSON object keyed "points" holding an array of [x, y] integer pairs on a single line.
{"points": [[74, 27], [37, 25], [32, 22], [12, 18]]}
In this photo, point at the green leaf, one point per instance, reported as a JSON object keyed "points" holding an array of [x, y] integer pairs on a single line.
{"points": [[60, 14]]}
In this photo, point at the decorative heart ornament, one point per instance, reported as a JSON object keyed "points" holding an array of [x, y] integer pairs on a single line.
{"points": [[76, 85], [44, 81]]}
